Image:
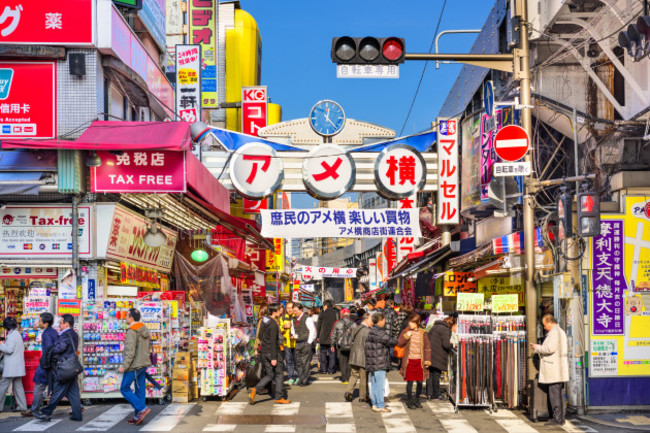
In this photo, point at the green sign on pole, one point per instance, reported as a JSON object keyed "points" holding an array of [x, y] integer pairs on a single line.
{"points": [[470, 301], [505, 303]]}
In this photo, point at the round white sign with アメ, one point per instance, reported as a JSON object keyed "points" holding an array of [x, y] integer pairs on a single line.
{"points": [[256, 171], [328, 172], [400, 171]]}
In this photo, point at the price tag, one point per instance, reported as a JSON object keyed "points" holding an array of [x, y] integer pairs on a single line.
{"points": [[470, 301], [505, 303]]}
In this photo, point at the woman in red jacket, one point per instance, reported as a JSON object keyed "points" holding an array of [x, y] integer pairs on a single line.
{"points": [[416, 360]]}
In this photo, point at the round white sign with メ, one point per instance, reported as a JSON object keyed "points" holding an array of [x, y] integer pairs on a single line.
{"points": [[256, 171], [400, 171], [328, 172]]}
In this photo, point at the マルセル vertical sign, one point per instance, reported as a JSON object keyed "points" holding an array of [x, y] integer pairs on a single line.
{"points": [[448, 188], [188, 82], [254, 109]]}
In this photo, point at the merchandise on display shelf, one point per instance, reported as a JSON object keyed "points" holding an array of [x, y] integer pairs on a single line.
{"points": [[185, 386], [509, 359], [214, 358], [103, 333], [156, 316], [241, 343], [33, 306]]}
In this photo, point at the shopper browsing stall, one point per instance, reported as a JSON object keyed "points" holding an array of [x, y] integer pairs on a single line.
{"points": [[440, 342], [416, 360], [136, 361], [14, 364]]}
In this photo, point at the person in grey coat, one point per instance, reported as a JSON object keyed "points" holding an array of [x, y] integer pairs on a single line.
{"points": [[14, 364], [357, 360]]}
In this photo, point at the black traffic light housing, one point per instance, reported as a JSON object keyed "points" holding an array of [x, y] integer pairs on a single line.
{"points": [[368, 50], [588, 214], [636, 39], [565, 215]]}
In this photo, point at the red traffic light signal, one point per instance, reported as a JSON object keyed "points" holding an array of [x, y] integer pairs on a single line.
{"points": [[368, 50], [588, 214]]}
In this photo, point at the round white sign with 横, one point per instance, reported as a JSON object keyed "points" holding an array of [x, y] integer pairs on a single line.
{"points": [[256, 171], [328, 172], [400, 171]]}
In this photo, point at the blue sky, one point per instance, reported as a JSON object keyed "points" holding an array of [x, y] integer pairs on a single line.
{"points": [[296, 64]]}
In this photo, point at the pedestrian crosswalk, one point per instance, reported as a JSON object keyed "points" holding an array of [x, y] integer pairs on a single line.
{"points": [[337, 417]]}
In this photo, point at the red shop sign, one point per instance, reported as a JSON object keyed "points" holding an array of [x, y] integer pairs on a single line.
{"points": [[254, 109], [27, 99], [47, 22], [140, 171]]}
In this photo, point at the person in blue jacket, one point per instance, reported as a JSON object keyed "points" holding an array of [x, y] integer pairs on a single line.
{"points": [[43, 374]]}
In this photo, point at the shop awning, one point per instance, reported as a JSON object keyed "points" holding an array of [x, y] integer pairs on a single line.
{"points": [[116, 135], [426, 263], [202, 182]]}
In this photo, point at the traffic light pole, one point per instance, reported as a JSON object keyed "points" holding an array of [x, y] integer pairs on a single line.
{"points": [[517, 63]]}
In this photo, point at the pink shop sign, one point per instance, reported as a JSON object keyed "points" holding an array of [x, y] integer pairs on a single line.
{"points": [[140, 171]]}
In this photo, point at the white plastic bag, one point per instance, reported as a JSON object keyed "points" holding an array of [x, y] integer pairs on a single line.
{"points": [[386, 387]]}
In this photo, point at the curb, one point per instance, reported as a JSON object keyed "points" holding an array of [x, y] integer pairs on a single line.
{"points": [[613, 424]]}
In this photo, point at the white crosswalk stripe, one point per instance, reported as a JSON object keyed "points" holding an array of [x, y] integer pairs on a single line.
{"points": [[108, 419], [283, 410], [457, 426], [340, 418], [397, 421], [439, 407], [38, 425], [515, 425], [577, 427], [168, 418], [227, 408]]}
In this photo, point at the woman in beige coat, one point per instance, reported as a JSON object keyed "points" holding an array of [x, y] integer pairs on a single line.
{"points": [[416, 360]]}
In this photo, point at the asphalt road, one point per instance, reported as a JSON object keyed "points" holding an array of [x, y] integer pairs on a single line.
{"points": [[319, 407]]}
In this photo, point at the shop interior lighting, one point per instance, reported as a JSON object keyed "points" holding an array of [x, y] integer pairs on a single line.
{"points": [[154, 236], [199, 255]]}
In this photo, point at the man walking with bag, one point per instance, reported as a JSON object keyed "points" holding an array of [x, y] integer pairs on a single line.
{"points": [[341, 340], [65, 381], [134, 367], [554, 367], [43, 374]]}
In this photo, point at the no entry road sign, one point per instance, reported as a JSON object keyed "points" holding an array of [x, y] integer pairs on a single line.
{"points": [[511, 143]]}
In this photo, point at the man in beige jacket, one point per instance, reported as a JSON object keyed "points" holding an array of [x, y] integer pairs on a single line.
{"points": [[554, 367]]}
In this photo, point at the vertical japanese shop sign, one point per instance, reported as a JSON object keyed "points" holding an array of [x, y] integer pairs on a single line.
{"points": [[608, 279], [406, 245], [203, 24], [275, 259], [188, 82], [27, 99], [254, 109], [448, 188]]}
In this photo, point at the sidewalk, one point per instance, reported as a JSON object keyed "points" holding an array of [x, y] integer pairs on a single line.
{"points": [[639, 421]]}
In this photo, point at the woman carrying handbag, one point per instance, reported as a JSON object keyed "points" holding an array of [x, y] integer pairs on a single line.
{"points": [[416, 360], [13, 350]]}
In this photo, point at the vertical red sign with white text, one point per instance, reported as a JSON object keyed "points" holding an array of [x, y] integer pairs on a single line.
{"points": [[448, 188], [406, 244], [254, 109]]}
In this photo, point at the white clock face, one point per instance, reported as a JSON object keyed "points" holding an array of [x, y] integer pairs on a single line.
{"points": [[327, 118]]}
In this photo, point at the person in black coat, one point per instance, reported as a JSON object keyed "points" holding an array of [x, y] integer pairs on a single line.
{"points": [[43, 376], [324, 326], [271, 352], [65, 347], [440, 342], [378, 344]]}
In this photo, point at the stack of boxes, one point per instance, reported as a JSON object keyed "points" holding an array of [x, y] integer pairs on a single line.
{"points": [[185, 385]]}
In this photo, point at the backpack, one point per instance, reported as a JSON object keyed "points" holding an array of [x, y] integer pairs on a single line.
{"points": [[345, 342]]}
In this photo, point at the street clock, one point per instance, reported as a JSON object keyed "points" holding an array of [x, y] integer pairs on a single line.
{"points": [[327, 118]]}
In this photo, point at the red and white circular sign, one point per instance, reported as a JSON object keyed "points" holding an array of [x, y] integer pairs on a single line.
{"points": [[400, 171], [328, 172], [256, 171], [511, 143]]}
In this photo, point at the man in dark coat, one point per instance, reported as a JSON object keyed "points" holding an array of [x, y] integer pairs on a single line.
{"points": [[43, 376], [440, 342], [378, 344], [65, 347], [326, 321], [271, 352]]}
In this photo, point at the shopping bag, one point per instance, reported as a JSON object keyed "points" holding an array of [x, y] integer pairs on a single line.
{"points": [[254, 372], [398, 352], [386, 388]]}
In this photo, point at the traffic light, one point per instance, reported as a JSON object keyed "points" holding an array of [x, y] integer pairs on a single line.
{"points": [[368, 50], [588, 214], [636, 39], [565, 223]]}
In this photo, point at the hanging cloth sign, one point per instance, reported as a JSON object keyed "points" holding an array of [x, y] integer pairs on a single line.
{"points": [[340, 223], [469, 301], [505, 303]]}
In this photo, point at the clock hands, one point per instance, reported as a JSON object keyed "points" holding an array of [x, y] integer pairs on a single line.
{"points": [[327, 117]]}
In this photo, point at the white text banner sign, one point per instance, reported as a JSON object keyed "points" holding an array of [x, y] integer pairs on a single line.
{"points": [[340, 223]]}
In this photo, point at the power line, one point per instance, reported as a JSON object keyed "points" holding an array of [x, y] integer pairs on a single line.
{"points": [[433, 40]]}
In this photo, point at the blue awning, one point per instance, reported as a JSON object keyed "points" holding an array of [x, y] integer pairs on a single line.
{"points": [[420, 142], [20, 182], [234, 140]]}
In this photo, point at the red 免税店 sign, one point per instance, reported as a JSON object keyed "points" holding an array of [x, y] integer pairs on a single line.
{"points": [[27, 99], [254, 109], [47, 22], [140, 171]]}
